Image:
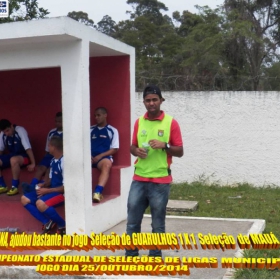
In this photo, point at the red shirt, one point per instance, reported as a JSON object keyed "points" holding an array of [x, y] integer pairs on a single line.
{"points": [[175, 140]]}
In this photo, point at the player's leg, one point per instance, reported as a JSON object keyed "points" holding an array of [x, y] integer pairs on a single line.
{"points": [[28, 201], [136, 205], [46, 205], [158, 198], [40, 171], [4, 162], [32, 186], [104, 166], [16, 163]]}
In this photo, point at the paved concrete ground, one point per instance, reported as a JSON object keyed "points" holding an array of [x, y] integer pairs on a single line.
{"points": [[174, 224], [192, 225]]}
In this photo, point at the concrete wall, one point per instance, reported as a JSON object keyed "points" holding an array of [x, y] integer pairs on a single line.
{"points": [[230, 137], [31, 98]]}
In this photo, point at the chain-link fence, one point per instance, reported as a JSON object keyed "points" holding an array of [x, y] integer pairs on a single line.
{"points": [[209, 83]]}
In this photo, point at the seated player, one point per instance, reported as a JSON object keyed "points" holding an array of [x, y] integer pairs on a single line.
{"points": [[15, 141], [40, 202], [104, 143], [44, 165]]}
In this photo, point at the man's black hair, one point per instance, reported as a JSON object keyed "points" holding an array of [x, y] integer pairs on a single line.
{"points": [[152, 89], [102, 109], [4, 123], [57, 142]]}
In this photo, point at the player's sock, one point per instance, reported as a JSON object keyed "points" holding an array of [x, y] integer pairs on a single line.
{"points": [[36, 213], [98, 189], [15, 183], [34, 181], [53, 215], [2, 182]]}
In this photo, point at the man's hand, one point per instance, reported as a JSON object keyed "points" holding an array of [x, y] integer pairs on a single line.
{"points": [[42, 191], [31, 167], [41, 185], [141, 153], [96, 159], [156, 144]]}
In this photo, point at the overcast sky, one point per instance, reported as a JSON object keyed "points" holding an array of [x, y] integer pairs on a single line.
{"points": [[116, 9]]}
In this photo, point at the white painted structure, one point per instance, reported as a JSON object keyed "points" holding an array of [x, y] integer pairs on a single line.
{"points": [[229, 137], [65, 43]]}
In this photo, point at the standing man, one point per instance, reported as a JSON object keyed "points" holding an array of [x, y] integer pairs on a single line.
{"points": [[156, 138], [104, 144], [14, 139]]}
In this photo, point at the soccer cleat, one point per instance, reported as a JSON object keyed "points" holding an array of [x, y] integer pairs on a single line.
{"points": [[61, 231], [96, 197], [12, 191], [48, 226], [3, 189]]}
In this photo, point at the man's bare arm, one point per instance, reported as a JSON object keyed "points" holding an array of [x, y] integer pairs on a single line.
{"points": [[30, 154]]}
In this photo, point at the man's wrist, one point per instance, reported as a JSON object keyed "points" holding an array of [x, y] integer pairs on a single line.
{"points": [[166, 146]]}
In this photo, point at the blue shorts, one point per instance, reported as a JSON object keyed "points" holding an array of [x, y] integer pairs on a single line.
{"points": [[46, 160], [94, 165], [51, 199], [6, 160]]}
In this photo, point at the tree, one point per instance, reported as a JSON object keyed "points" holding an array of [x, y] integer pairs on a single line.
{"points": [[253, 36], [154, 38], [33, 11], [271, 79], [81, 17], [20, 10], [107, 26], [151, 9], [229, 48], [187, 21], [202, 61], [233, 47]]}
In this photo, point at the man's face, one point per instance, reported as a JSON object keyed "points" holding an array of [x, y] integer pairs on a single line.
{"points": [[152, 103], [51, 148], [58, 123], [100, 117], [9, 131]]}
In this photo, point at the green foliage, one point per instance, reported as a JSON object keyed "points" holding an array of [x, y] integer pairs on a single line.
{"points": [[233, 47], [273, 80], [239, 201], [202, 49], [107, 26], [154, 38], [187, 21], [151, 9], [81, 17], [20, 10], [222, 49], [252, 30], [258, 273]]}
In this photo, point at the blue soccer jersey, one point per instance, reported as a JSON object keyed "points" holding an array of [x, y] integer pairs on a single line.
{"points": [[16, 144], [103, 139], [56, 172]]}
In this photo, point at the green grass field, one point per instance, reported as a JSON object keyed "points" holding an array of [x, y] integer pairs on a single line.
{"points": [[240, 201]]}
